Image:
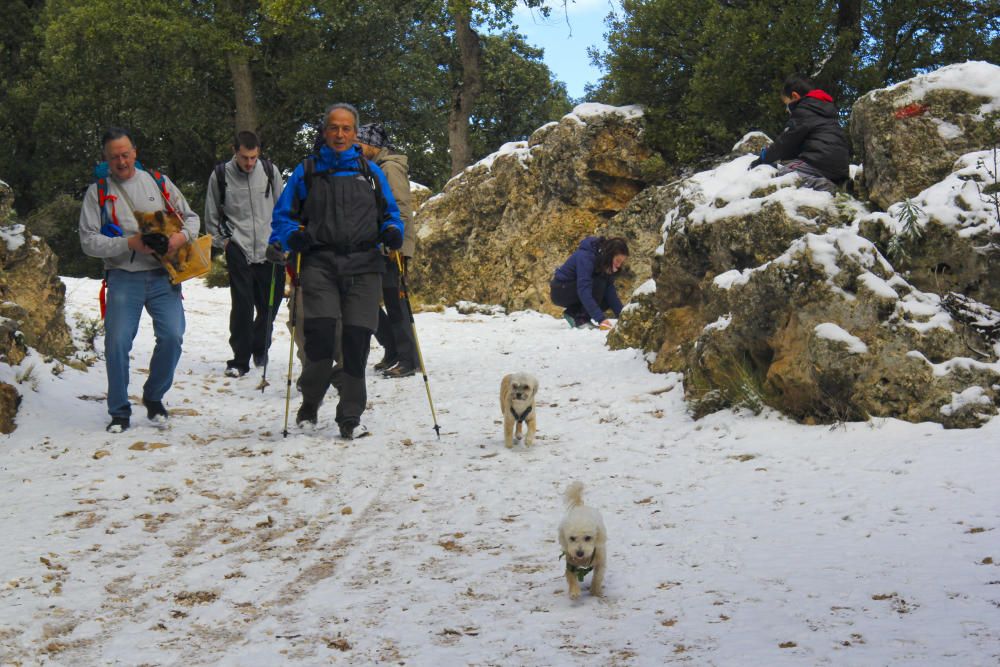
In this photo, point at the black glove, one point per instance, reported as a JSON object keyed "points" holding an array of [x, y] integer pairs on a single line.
{"points": [[755, 163], [391, 238], [275, 253], [158, 242], [299, 241]]}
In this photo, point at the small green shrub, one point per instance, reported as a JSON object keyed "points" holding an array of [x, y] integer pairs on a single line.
{"points": [[218, 275]]}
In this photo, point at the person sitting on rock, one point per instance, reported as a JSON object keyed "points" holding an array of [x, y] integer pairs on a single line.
{"points": [[813, 144], [585, 284]]}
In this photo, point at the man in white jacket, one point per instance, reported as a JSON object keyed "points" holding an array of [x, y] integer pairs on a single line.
{"points": [[238, 206], [135, 278]]}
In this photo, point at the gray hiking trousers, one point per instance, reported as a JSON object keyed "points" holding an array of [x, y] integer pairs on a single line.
{"points": [[810, 176], [329, 301]]}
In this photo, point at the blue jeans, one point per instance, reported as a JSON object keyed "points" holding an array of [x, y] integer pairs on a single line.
{"points": [[128, 293]]}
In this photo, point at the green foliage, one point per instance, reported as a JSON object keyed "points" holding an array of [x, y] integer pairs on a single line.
{"points": [[902, 242], [218, 274], [57, 222], [518, 94], [708, 72], [88, 330], [70, 69]]}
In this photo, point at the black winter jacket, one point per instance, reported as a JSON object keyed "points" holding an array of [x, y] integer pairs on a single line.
{"points": [[813, 134]]}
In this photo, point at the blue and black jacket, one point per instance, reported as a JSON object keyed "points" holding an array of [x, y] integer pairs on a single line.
{"points": [[581, 269], [338, 208]]}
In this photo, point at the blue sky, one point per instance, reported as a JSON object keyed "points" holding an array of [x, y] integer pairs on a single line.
{"points": [[565, 43]]}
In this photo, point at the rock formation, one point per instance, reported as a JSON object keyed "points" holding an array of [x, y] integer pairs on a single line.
{"points": [[31, 303], [499, 229], [765, 294], [908, 136]]}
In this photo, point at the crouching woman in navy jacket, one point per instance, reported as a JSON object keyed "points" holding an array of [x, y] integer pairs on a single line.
{"points": [[585, 284]]}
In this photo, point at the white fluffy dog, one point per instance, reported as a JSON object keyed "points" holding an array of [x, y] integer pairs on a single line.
{"points": [[517, 401], [583, 541]]}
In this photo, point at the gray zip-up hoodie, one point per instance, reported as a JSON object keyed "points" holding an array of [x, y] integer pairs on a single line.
{"points": [[248, 210], [142, 191]]}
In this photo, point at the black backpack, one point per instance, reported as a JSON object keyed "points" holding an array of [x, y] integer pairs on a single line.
{"points": [[220, 181], [309, 171]]}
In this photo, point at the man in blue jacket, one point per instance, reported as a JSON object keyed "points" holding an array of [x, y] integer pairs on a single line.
{"points": [[335, 210]]}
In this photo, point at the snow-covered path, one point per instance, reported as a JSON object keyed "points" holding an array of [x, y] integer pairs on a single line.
{"points": [[735, 540]]}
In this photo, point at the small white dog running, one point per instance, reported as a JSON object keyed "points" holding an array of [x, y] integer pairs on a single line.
{"points": [[584, 543]]}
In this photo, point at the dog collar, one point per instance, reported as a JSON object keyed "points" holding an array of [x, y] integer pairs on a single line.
{"points": [[520, 417], [579, 570]]}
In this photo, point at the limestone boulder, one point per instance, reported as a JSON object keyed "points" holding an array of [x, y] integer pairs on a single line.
{"points": [[829, 332], [908, 136], [498, 230], [31, 292], [947, 237], [717, 220], [31, 302]]}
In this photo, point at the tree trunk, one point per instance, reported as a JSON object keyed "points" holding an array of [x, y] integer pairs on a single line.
{"points": [[840, 60], [463, 98], [246, 105]]}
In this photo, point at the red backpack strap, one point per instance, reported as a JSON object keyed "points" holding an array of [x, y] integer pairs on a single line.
{"points": [[162, 183], [102, 297], [103, 197]]}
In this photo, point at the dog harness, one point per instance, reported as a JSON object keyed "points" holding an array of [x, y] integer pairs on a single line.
{"points": [[520, 417], [579, 570]]}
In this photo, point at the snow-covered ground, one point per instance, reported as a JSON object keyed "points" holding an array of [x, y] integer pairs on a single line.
{"points": [[734, 540]]}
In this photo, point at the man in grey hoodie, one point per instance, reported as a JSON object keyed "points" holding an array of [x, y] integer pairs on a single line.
{"points": [[238, 216], [135, 279]]}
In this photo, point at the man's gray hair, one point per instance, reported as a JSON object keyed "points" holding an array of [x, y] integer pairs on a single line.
{"points": [[341, 105]]}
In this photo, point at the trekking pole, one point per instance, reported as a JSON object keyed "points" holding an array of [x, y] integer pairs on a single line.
{"points": [[291, 348], [404, 292], [270, 326]]}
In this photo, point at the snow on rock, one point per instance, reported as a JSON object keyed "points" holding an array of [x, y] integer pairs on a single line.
{"points": [[13, 236], [909, 135], [581, 112], [971, 397], [977, 78], [832, 331]]}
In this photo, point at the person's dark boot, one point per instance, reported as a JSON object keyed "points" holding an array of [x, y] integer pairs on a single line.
{"points": [[307, 414], [347, 431], [386, 363], [118, 425], [155, 411], [400, 370]]}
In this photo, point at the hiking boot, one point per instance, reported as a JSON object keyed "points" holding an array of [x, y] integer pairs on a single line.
{"points": [[234, 372], [155, 411], [260, 359], [307, 414], [118, 424], [569, 318], [400, 370], [347, 431], [386, 363]]}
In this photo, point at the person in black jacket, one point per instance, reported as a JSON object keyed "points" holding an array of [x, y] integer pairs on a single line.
{"points": [[813, 144]]}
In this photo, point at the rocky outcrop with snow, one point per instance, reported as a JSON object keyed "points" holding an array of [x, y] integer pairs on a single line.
{"points": [[31, 303], [909, 136], [947, 238], [764, 294], [499, 229]]}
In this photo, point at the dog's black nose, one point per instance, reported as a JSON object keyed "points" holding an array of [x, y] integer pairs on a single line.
{"points": [[579, 553]]}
